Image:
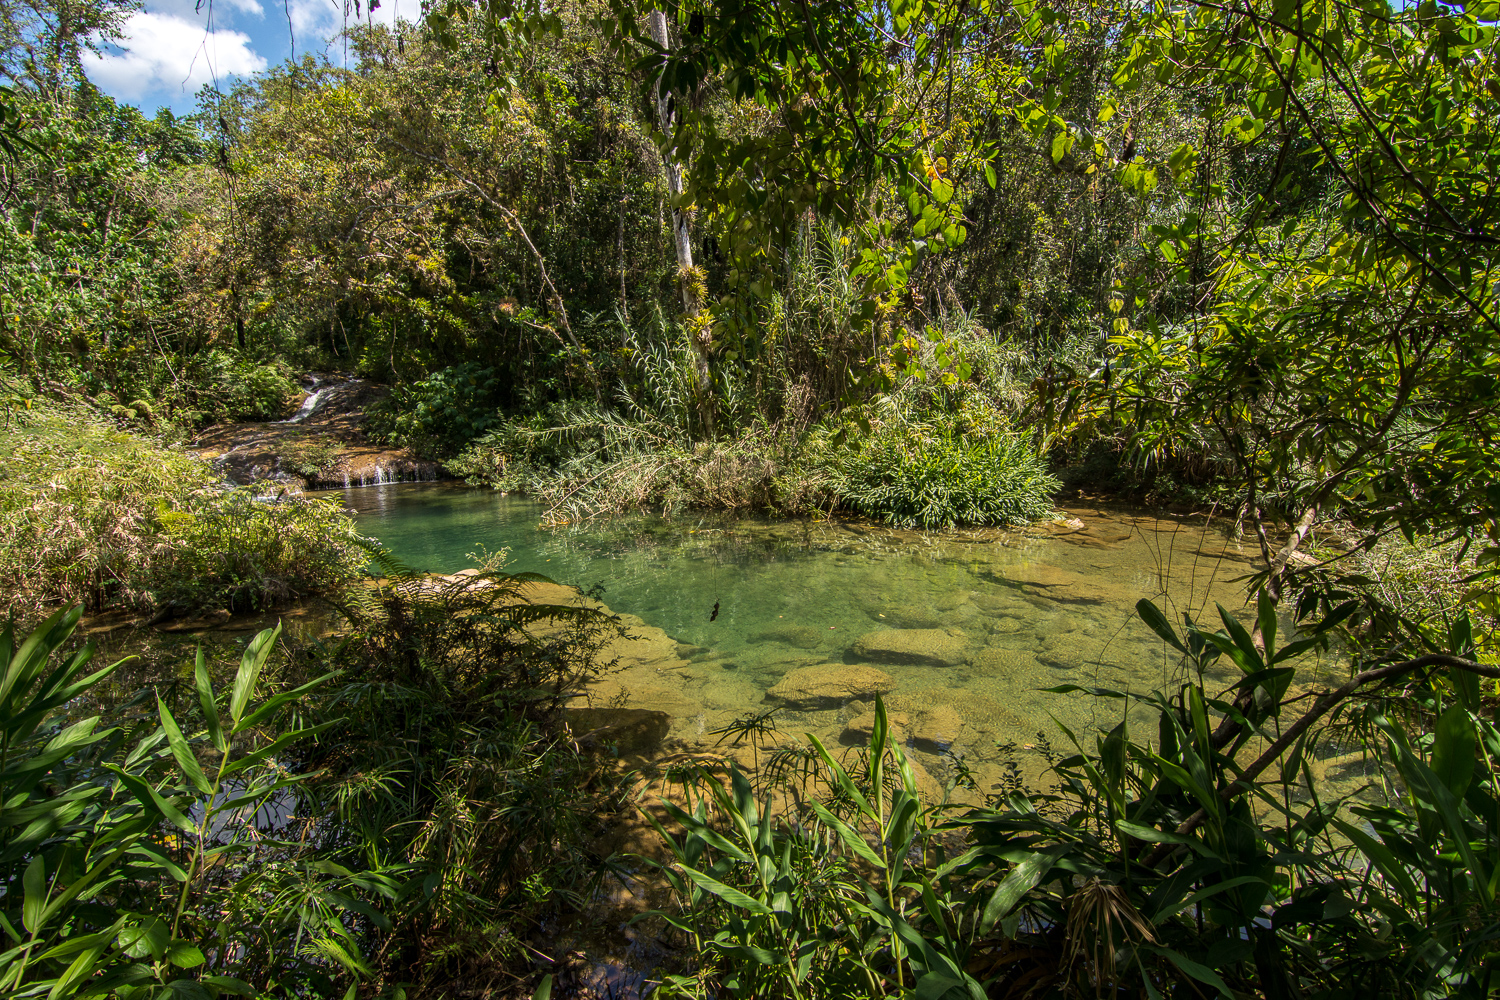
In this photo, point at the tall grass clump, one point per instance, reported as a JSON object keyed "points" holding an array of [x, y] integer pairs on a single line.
{"points": [[941, 448], [447, 753], [930, 476], [1263, 840], [107, 517]]}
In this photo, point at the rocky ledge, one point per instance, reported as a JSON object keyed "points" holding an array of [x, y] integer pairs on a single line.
{"points": [[322, 446]]}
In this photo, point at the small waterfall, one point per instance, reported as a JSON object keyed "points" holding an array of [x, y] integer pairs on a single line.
{"points": [[385, 475], [315, 399], [308, 405]]}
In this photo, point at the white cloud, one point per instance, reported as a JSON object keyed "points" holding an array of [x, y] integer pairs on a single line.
{"points": [[320, 20], [164, 52], [223, 11]]}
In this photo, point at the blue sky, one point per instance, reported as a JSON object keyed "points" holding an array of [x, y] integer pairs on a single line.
{"points": [[171, 49]]}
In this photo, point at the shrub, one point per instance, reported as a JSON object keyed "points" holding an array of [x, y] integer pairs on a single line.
{"points": [[95, 514], [227, 387], [161, 861], [447, 753], [441, 413], [920, 475]]}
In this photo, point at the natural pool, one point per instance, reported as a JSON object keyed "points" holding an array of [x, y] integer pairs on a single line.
{"points": [[966, 627]]}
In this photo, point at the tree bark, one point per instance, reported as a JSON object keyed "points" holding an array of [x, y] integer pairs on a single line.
{"points": [[682, 236]]}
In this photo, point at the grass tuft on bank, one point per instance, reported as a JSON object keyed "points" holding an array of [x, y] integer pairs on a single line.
{"points": [[107, 517]]}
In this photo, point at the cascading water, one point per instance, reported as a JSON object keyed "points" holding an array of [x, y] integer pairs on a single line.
{"points": [[314, 400], [383, 475]]}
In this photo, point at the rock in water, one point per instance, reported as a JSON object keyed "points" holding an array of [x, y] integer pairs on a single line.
{"points": [[829, 685], [937, 728], [632, 730], [862, 727], [801, 636], [931, 647]]}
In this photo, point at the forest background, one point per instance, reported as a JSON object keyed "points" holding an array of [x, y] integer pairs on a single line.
{"points": [[909, 259]]}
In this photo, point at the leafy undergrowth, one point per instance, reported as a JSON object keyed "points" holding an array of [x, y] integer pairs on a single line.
{"points": [[92, 513], [1145, 872]]}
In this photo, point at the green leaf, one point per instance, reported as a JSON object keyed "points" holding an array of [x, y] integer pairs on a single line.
{"points": [[851, 839], [1061, 144], [1202, 894], [180, 749], [935, 986], [728, 894], [1200, 972], [34, 882], [148, 939], [208, 704], [1382, 857], [1455, 750], [1422, 784], [251, 664], [185, 955], [1152, 616], [229, 984], [81, 967], [151, 799], [543, 989], [1252, 659], [1151, 834], [1266, 610], [1021, 880]]}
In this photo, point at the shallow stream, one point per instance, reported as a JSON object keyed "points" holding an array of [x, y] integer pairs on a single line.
{"points": [[968, 626]]}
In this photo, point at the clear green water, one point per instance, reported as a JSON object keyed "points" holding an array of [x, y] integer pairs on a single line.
{"points": [[1013, 611]]}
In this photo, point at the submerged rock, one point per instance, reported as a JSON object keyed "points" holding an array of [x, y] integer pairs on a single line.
{"points": [[631, 730], [936, 729], [999, 660], [920, 646], [859, 729], [829, 685], [801, 636]]}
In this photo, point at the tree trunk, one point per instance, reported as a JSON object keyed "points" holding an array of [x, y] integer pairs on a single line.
{"points": [[682, 239]]}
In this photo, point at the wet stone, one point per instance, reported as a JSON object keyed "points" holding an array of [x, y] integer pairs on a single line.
{"points": [[917, 646], [631, 730], [801, 636], [937, 728], [830, 685], [998, 660]]}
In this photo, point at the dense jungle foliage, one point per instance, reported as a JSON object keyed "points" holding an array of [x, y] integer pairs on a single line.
{"points": [[911, 259]]}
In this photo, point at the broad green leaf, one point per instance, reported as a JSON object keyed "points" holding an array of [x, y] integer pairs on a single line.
{"points": [[185, 955], [251, 664], [1266, 615], [180, 749], [148, 939], [34, 904], [1152, 616], [1455, 749], [1017, 883], [728, 894], [207, 703]]}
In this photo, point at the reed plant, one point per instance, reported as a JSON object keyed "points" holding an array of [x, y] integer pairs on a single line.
{"points": [[447, 753]]}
